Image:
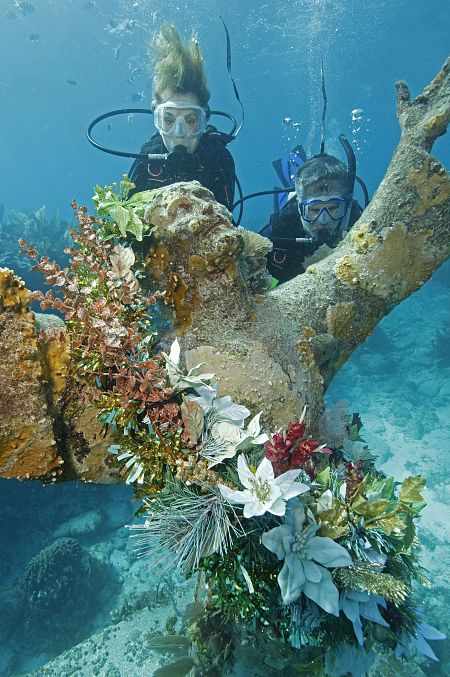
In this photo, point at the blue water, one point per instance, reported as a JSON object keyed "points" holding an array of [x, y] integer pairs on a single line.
{"points": [[400, 388]]}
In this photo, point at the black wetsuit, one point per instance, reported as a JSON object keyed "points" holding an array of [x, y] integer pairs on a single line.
{"points": [[211, 164], [285, 261]]}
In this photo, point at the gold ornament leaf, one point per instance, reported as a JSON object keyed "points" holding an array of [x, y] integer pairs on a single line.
{"points": [[390, 523], [411, 488], [369, 510], [193, 419]]}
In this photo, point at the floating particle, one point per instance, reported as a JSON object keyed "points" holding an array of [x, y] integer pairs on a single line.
{"points": [[357, 114], [25, 8], [34, 37], [125, 26], [72, 83], [289, 122], [130, 118], [135, 72]]}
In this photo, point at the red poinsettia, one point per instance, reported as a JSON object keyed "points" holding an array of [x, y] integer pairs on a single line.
{"points": [[291, 450]]}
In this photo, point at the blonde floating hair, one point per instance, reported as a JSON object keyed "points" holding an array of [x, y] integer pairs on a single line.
{"points": [[179, 67]]}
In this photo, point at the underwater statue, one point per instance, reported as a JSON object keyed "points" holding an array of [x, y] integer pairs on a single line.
{"points": [[274, 351]]}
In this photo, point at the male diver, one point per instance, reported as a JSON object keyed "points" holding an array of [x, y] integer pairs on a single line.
{"points": [[321, 212]]}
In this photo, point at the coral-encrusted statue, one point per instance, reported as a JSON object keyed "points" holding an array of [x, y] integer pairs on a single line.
{"points": [[274, 351]]}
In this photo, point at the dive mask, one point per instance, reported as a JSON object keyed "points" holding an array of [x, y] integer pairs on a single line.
{"points": [[180, 121], [324, 208]]}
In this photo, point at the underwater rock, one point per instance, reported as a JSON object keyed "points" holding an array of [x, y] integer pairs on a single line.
{"points": [[27, 442], [60, 592], [82, 525]]}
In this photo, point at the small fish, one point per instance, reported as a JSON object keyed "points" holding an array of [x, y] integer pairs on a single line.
{"points": [[130, 118], [25, 7], [11, 16], [170, 642], [138, 96], [116, 51], [34, 37], [178, 668], [109, 127], [73, 83], [89, 5]]}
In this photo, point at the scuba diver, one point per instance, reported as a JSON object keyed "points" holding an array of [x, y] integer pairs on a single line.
{"points": [[321, 212], [317, 210], [185, 147], [195, 149]]}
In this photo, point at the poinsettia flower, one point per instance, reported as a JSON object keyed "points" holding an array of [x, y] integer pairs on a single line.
{"points": [[229, 438], [263, 492], [181, 381], [357, 604], [422, 632], [307, 558]]}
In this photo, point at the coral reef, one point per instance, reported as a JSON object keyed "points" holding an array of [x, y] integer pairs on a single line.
{"points": [[62, 589], [50, 235], [27, 442]]}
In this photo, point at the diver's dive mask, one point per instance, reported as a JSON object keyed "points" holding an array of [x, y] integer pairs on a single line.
{"points": [[324, 208], [180, 123]]}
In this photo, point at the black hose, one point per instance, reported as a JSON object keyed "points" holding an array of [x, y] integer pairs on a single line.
{"points": [[351, 163], [241, 201], [234, 134], [364, 190], [275, 191], [146, 111], [324, 110]]}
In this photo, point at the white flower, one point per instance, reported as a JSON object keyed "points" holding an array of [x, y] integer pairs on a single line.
{"points": [[231, 438], [305, 558], [228, 436], [263, 492], [222, 408], [325, 502], [181, 381]]}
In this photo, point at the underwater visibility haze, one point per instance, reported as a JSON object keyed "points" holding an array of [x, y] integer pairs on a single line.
{"points": [[75, 599]]}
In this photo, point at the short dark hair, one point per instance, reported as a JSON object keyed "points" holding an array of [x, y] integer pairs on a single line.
{"points": [[321, 169]]}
